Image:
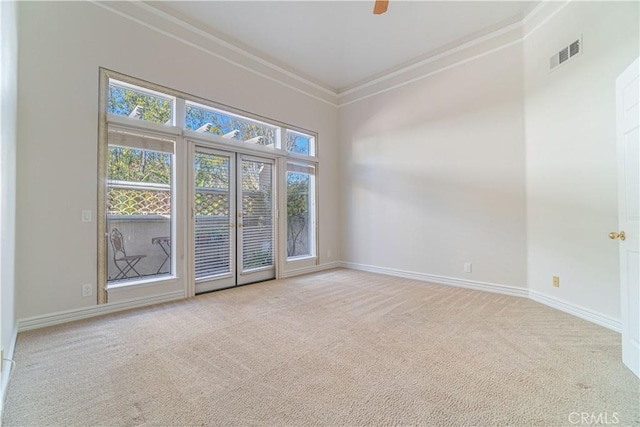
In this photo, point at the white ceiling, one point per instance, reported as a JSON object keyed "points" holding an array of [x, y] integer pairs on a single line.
{"points": [[341, 43]]}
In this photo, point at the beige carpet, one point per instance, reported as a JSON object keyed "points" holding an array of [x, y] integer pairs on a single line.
{"points": [[334, 348]]}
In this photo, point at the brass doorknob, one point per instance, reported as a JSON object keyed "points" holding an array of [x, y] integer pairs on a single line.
{"points": [[613, 235]]}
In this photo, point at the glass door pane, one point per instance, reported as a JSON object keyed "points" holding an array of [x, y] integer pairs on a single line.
{"points": [[256, 237], [214, 214]]}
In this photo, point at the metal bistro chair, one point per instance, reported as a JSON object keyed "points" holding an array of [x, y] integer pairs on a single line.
{"points": [[129, 261]]}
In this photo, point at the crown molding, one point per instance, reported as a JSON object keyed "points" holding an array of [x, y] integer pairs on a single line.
{"points": [[484, 43], [514, 27], [427, 74], [534, 11], [235, 46], [476, 48], [540, 15], [199, 40]]}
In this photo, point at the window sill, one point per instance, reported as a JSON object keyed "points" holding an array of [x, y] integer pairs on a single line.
{"points": [[142, 283], [301, 259]]}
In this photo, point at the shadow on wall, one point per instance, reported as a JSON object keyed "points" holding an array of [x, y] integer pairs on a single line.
{"points": [[439, 166], [459, 133], [446, 167], [411, 208]]}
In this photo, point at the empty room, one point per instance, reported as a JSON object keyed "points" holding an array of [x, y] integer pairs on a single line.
{"points": [[332, 213]]}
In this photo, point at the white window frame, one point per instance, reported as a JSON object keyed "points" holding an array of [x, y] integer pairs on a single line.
{"points": [[147, 91], [177, 129], [278, 129], [312, 145], [118, 125], [310, 259]]}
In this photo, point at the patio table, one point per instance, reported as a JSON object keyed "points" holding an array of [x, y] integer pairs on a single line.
{"points": [[165, 244]]}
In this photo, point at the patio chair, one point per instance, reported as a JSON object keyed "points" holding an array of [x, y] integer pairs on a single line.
{"points": [[128, 262]]}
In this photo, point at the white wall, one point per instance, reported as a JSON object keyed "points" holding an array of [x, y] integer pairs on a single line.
{"points": [[497, 161], [8, 127], [434, 174], [62, 44], [571, 152]]}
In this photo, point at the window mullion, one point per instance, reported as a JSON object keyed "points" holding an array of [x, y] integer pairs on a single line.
{"points": [[180, 113]]}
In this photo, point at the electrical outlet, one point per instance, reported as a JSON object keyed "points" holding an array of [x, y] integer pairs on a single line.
{"points": [[87, 290], [467, 267], [329, 253], [556, 281], [86, 216]]}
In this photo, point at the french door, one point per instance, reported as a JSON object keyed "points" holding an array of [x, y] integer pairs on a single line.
{"points": [[233, 219]]}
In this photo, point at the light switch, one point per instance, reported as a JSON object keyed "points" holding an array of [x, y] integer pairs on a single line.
{"points": [[86, 216]]}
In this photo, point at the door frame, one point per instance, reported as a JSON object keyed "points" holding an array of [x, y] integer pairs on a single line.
{"points": [[217, 143]]}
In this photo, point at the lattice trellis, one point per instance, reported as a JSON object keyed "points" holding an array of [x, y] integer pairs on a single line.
{"points": [[212, 203], [124, 201]]}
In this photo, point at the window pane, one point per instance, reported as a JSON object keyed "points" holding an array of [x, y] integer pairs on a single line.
{"points": [[300, 227], [139, 104], [138, 214], [229, 126], [212, 217], [300, 143], [257, 215]]}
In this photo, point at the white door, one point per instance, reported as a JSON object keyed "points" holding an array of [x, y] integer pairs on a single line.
{"points": [[256, 220], [628, 120], [213, 219], [233, 220]]}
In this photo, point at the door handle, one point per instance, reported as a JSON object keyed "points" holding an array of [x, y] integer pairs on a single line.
{"points": [[613, 235]]}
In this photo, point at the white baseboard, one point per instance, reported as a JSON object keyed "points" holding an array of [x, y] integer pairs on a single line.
{"points": [[97, 310], [576, 310], [7, 369], [312, 269], [567, 307], [43, 321], [441, 280]]}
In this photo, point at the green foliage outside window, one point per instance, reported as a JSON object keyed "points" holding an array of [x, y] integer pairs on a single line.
{"points": [[143, 166], [222, 124], [297, 214], [123, 101]]}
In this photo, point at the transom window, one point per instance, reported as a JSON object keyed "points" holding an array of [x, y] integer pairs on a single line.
{"points": [[131, 101], [210, 120], [134, 102], [299, 143]]}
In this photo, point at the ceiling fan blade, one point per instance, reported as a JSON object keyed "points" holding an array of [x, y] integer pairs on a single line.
{"points": [[380, 7]]}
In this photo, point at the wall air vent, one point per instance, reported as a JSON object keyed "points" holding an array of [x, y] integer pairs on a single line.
{"points": [[565, 54], [574, 48]]}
